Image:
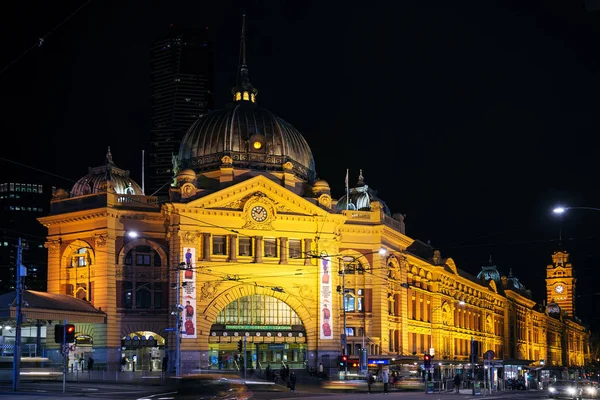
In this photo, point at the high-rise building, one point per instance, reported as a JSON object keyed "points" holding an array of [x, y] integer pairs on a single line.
{"points": [[21, 203], [182, 68]]}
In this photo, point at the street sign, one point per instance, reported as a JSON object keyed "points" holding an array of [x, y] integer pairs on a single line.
{"points": [[489, 355], [170, 329]]}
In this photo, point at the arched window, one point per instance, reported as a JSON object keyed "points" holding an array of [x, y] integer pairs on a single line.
{"points": [[258, 310]]}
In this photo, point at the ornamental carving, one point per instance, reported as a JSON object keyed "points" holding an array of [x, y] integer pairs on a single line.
{"points": [[325, 200], [100, 240], [234, 205], [282, 208], [306, 292], [209, 289], [190, 237], [259, 199], [227, 161], [288, 166], [53, 247], [188, 190]]}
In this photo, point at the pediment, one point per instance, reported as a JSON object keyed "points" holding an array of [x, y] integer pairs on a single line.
{"points": [[257, 189]]}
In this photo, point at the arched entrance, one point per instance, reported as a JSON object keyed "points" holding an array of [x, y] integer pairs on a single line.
{"points": [[269, 332], [142, 351]]}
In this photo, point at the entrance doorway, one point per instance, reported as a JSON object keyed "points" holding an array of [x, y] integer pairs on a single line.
{"points": [[142, 351]]}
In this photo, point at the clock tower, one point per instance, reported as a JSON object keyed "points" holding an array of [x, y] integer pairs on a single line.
{"points": [[560, 282]]}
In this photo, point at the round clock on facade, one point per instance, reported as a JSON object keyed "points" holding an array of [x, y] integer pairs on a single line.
{"points": [[258, 213], [559, 288]]}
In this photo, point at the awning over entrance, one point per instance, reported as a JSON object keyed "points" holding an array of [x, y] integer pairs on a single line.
{"points": [[51, 307]]}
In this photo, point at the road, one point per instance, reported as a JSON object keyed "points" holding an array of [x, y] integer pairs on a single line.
{"points": [[116, 391]]}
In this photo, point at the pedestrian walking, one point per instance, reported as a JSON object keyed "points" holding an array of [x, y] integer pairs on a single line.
{"points": [[165, 363], [457, 381], [370, 381], [292, 382], [385, 377], [90, 364]]}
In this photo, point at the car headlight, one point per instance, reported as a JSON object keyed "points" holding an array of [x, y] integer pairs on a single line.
{"points": [[552, 390], [590, 389], [571, 390]]}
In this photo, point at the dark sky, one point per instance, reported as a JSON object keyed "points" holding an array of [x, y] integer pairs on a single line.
{"points": [[473, 118]]}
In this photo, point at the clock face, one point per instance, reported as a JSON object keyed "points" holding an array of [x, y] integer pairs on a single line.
{"points": [[559, 288], [258, 213]]}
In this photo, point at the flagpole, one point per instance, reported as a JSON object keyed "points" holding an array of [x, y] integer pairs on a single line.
{"points": [[347, 191]]}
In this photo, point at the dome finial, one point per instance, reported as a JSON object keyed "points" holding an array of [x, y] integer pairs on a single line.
{"points": [[109, 159], [243, 90], [490, 261], [361, 179]]}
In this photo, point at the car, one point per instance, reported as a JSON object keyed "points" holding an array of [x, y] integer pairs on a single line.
{"points": [[573, 389]]}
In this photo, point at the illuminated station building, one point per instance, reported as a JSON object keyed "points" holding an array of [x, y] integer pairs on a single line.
{"points": [[265, 255]]}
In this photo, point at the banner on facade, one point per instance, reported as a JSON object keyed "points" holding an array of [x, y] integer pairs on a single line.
{"points": [[326, 297], [188, 294]]}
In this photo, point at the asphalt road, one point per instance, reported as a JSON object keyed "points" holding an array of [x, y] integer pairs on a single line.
{"points": [[49, 390]]}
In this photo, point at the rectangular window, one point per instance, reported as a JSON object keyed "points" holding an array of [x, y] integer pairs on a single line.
{"points": [[40, 190], [360, 301], [350, 331], [245, 248], [142, 259], [270, 247], [143, 296], [127, 294], [219, 245], [295, 246]]}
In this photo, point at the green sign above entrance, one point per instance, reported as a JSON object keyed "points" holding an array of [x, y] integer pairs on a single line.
{"points": [[258, 327]]}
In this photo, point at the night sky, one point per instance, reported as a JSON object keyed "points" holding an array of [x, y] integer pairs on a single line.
{"points": [[473, 118]]}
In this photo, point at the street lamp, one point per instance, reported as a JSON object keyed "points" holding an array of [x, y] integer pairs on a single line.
{"points": [[561, 210]]}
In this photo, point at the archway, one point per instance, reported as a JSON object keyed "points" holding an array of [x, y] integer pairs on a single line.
{"points": [[142, 351], [259, 331]]}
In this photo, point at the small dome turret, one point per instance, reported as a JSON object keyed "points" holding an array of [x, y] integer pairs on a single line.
{"points": [[361, 198], [106, 178]]}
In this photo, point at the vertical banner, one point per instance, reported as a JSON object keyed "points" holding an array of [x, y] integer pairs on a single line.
{"points": [[325, 299], [188, 294]]}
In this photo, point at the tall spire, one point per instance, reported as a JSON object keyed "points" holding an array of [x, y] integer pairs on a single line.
{"points": [[243, 90]]}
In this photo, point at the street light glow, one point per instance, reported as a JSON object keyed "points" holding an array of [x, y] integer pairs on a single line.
{"points": [[382, 252], [132, 234], [559, 210]]}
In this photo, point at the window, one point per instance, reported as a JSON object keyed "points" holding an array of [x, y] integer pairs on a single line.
{"points": [[258, 310], [80, 258], [245, 246], [144, 256], [143, 295], [350, 331], [270, 247], [295, 247], [127, 294], [219, 245]]}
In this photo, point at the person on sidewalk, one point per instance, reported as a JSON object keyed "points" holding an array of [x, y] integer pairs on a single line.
{"points": [[90, 364], [292, 382], [457, 382], [370, 381], [385, 377]]}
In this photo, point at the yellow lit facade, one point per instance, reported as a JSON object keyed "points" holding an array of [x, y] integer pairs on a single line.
{"points": [[269, 258]]}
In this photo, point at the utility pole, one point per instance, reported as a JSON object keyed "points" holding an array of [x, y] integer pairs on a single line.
{"points": [[16, 381], [178, 325]]}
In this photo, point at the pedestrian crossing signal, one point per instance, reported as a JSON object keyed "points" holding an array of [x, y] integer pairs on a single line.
{"points": [[427, 360]]}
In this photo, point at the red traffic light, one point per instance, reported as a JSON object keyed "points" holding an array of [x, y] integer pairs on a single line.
{"points": [[70, 328], [344, 358]]}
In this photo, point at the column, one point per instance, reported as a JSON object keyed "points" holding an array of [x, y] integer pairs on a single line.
{"points": [[258, 251], [307, 248], [232, 248], [283, 250], [206, 246]]}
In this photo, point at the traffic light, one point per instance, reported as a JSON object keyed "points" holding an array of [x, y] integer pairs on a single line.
{"points": [[343, 361], [70, 333], [427, 360], [240, 346], [59, 333]]}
